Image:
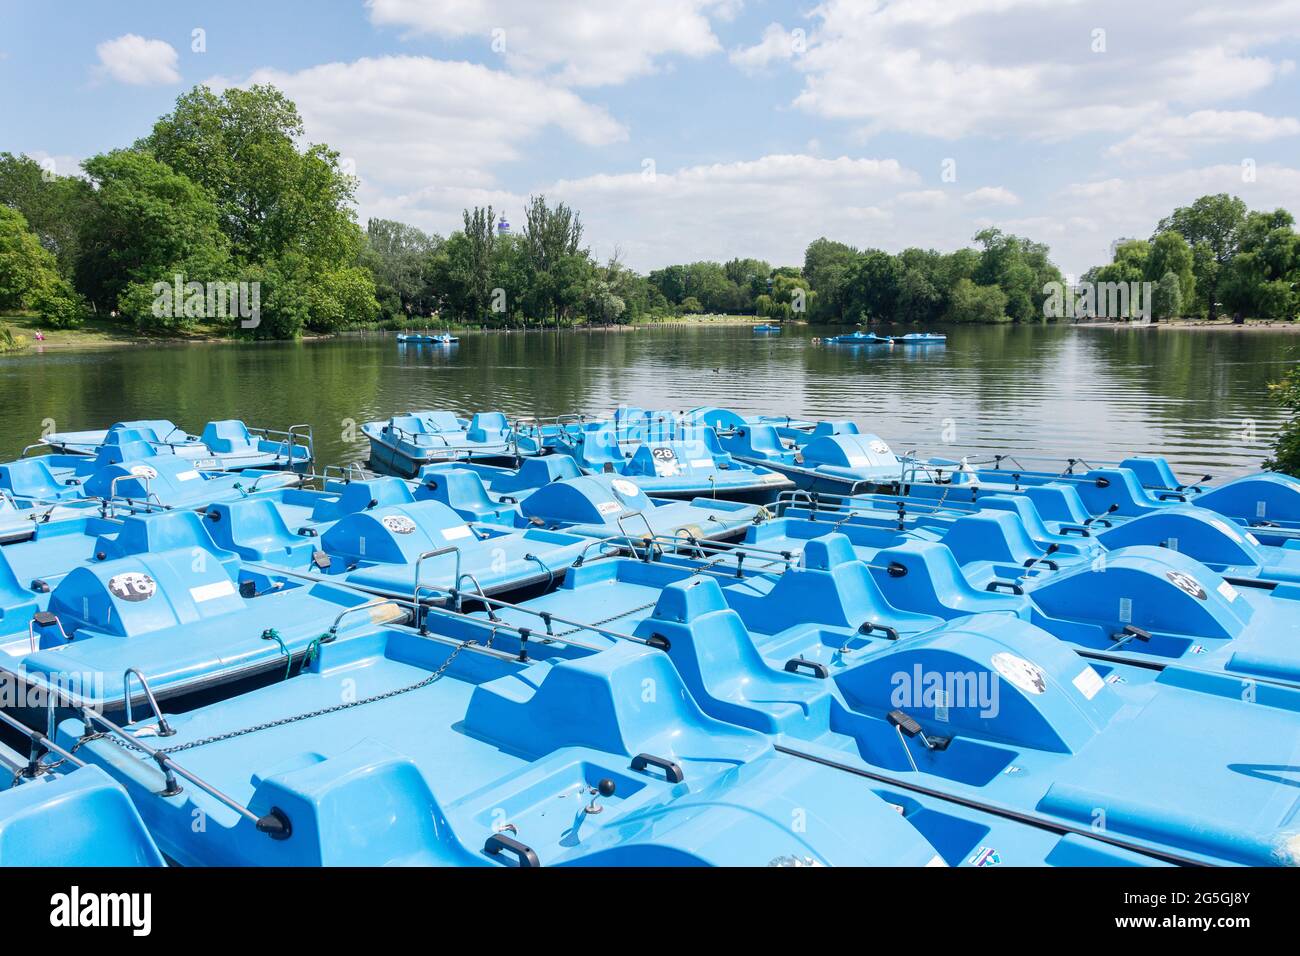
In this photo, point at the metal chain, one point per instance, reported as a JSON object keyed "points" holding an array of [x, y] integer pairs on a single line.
{"points": [[283, 721]]}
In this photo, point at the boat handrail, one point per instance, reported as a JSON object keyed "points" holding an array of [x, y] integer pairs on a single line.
{"points": [[357, 608], [295, 436], [275, 823], [164, 728], [437, 552], [345, 472]]}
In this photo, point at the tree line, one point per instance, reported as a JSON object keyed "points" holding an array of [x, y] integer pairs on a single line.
{"points": [[1215, 257]]}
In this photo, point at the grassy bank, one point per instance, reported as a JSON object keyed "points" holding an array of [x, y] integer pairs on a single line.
{"points": [[106, 333]]}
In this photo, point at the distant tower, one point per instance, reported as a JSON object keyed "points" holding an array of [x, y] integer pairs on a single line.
{"points": [[503, 227]]}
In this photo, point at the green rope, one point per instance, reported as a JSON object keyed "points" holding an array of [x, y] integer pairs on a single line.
{"points": [[271, 634], [313, 649]]}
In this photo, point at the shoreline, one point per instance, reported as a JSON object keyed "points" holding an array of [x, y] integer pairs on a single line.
{"points": [[98, 334]]}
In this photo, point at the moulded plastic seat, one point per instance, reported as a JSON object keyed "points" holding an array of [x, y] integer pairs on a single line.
{"points": [[462, 490], [762, 441], [597, 446], [488, 426], [597, 701], [227, 436], [32, 478], [536, 472], [723, 669], [162, 531], [925, 576], [16, 602], [255, 530]]}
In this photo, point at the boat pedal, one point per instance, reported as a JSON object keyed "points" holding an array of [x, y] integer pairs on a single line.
{"points": [[45, 618], [321, 560], [40, 587]]}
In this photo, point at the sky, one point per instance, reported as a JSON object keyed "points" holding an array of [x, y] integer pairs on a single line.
{"points": [[708, 129]]}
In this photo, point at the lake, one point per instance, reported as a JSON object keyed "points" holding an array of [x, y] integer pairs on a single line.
{"points": [[1198, 397]]}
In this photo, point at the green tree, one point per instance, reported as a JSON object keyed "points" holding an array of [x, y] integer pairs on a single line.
{"points": [[1171, 253], [29, 275], [872, 287], [146, 225], [273, 198], [1212, 226], [559, 267], [54, 206], [977, 304], [1167, 298], [399, 256]]}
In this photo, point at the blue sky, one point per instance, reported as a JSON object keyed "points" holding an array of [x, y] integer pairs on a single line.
{"points": [[687, 129]]}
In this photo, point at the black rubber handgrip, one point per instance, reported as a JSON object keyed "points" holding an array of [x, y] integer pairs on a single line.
{"points": [[818, 670], [1010, 586], [672, 772], [524, 853]]}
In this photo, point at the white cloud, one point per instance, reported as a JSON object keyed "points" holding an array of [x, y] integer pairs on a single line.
{"points": [[776, 44], [1175, 136], [406, 121], [770, 207], [1088, 216], [580, 43], [138, 61], [992, 196], [1031, 67]]}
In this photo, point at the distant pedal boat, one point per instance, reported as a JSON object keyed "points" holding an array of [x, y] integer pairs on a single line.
{"points": [[417, 338], [228, 445], [406, 443]]}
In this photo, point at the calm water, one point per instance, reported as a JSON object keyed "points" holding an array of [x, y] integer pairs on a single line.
{"points": [[1197, 397]]}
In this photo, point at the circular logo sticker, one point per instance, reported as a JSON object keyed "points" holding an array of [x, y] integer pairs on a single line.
{"points": [[1187, 583], [624, 487], [398, 524], [132, 586], [143, 471], [1020, 672], [879, 447]]}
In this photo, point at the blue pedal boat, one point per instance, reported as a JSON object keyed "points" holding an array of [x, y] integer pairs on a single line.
{"points": [[549, 492], [1136, 603], [858, 338], [153, 601], [689, 464], [919, 338], [987, 711], [228, 445], [764, 328], [374, 536], [146, 478], [479, 759], [1266, 502], [426, 338], [405, 443], [1221, 545], [57, 810]]}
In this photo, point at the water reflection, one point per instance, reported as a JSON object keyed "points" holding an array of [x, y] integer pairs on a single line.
{"points": [[1096, 393]]}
